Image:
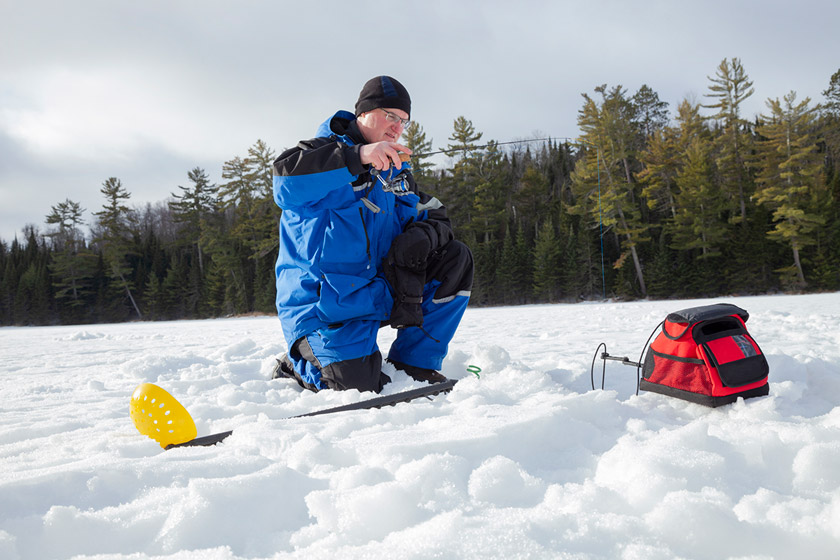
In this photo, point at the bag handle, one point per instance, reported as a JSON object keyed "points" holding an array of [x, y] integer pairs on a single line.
{"points": [[665, 332]]}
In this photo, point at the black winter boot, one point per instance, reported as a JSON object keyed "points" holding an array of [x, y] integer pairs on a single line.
{"points": [[283, 368], [420, 374]]}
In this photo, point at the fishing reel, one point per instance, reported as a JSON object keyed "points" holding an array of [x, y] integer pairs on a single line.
{"points": [[396, 183]]}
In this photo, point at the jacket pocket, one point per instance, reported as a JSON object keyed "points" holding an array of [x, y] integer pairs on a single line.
{"points": [[346, 244], [345, 297]]}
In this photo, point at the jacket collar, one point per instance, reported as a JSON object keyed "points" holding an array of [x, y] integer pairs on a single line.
{"points": [[342, 123]]}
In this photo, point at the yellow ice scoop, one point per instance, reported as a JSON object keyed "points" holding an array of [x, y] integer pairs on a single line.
{"points": [[158, 415]]}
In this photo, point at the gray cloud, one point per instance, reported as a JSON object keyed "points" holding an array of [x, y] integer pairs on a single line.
{"points": [[146, 91]]}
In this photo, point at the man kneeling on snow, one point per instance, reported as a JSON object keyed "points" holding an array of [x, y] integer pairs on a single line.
{"points": [[360, 248]]}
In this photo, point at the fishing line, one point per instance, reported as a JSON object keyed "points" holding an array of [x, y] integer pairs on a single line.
{"points": [[490, 144], [549, 139]]}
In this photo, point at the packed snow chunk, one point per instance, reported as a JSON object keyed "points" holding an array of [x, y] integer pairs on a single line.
{"points": [[69, 531], [816, 468], [95, 385], [491, 359], [254, 514], [790, 391], [83, 335], [377, 505], [359, 475], [158, 368], [817, 381], [230, 395], [793, 523], [311, 453], [503, 483], [583, 517], [657, 551], [365, 513], [690, 521], [440, 481], [644, 468], [242, 348]]}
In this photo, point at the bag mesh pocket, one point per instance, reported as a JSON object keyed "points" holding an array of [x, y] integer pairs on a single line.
{"points": [[686, 374]]}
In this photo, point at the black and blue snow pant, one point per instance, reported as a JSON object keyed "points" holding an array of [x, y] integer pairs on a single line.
{"points": [[347, 356]]}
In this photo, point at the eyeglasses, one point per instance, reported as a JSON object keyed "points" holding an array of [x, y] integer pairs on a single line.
{"points": [[394, 118]]}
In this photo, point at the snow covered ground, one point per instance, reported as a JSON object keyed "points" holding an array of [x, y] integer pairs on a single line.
{"points": [[524, 462]]}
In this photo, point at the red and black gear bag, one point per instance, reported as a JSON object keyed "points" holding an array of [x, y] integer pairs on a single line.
{"points": [[705, 355]]}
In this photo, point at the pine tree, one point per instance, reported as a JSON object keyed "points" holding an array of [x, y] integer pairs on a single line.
{"points": [[172, 301], [731, 86], [790, 176], [228, 277], [547, 264], [490, 196], [662, 282], [114, 236], [531, 199], [697, 224], [558, 171], [33, 296], [603, 179], [154, 297], [573, 263], [506, 274], [458, 187], [827, 261], [661, 161], [665, 156], [587, 270], [260, 162], [72, 264], [830, 117], [485, 286], [248, 194], [248, 190], [651, 112], [691, 124], [191, 209], [8, 284], [524, 263], [414, 139]]}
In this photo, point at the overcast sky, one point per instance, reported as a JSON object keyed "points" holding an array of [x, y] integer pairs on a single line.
{"points": [[146, 91]]}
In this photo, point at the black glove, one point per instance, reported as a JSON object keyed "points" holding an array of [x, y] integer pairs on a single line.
{"points": [[407, 286], [406, 313], [410, 249]]}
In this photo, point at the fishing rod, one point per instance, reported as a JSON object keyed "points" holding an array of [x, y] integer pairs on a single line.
{"points": [[489, 144], [405, 157]]}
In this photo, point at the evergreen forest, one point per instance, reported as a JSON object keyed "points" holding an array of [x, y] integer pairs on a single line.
{"points": [[651, 201]]}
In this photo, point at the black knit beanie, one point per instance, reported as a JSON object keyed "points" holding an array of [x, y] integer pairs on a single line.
{"points": [[384, 92]]}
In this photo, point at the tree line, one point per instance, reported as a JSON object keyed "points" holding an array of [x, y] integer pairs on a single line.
{"points": [[647, 203]]}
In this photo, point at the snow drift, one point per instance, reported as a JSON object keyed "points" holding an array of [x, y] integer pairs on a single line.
{"points": [[525, 461]]}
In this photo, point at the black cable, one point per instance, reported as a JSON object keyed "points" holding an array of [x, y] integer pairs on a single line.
{"points": [[639, 367], [592, 368]]}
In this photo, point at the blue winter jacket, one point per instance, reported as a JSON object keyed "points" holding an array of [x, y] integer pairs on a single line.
{"points": [[337, 225]]}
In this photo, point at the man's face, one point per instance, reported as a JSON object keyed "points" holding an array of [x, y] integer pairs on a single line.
{"points": [[381, 125]]}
